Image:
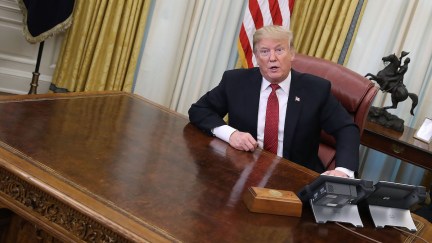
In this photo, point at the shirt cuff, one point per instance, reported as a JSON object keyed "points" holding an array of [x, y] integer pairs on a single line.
{"points": [[223, 132], [350, 173]]}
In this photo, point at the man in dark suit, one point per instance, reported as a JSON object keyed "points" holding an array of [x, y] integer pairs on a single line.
{"points": [[304, 106]]}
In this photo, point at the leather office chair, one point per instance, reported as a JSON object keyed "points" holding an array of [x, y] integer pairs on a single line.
{"points": [[354, 91]]}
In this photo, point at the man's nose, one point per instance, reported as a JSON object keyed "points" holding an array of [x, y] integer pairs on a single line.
{"points": [[272, 55]]}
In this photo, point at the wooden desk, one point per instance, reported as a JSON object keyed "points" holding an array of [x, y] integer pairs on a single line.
{"points": [[399, 145], [113, 167]]}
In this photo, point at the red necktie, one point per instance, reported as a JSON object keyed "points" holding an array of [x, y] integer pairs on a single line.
{"points": [[272, 121]]}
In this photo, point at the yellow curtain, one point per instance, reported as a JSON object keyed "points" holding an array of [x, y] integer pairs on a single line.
{"points": [[100, 51], [321, 27]]}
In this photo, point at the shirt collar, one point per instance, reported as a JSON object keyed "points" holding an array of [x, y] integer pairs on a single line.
{"points": [[285, 85]]}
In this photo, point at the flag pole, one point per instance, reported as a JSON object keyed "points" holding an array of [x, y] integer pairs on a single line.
{"points": [[35, 78]]}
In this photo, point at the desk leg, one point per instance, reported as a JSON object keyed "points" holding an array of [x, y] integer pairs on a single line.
{"points": [[427, 182]]}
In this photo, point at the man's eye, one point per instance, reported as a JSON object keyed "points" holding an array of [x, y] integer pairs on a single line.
{"points": [[280, 50], [264, 52]]}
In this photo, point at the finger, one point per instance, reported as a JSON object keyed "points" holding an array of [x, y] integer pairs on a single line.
{"points": [[338, 173], [241, 145], [250, 146], [252, 142], [329, 173], [335, 173]]}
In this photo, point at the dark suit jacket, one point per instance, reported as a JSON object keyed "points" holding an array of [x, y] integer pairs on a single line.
{"points": [[311, 107]]}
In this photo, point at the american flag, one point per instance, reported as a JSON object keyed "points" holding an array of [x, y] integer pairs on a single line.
{"points": [[259, 13]]}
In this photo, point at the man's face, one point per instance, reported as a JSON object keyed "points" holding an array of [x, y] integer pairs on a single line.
{"points": [[274, 59]]}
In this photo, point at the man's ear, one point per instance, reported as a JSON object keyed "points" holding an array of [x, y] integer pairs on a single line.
{"points": [[292, 55]]}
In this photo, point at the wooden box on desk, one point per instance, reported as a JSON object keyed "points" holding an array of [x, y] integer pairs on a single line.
{"points": [[264, 200]]}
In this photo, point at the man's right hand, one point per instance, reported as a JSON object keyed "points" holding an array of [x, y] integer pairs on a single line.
{"points": [[243, 141]]}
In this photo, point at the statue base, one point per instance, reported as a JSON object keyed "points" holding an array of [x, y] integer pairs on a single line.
{"points": [[382, 117]]}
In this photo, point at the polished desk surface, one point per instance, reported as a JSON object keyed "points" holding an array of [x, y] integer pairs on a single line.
{"points": [[401, 145], [113, 166]]}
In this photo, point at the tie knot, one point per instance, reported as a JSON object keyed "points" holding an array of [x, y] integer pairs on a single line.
{"points": [[274, 87]]}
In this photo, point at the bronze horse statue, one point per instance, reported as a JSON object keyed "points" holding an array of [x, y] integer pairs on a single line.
{"points": [[390, 79]]}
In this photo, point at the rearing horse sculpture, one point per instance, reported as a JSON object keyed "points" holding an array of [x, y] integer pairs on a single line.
{"points": [[390, 79]]}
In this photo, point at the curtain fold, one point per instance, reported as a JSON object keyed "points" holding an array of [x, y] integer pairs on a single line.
{"points": [[209, 54], [188, 46], [100, 51], [321, 28]]}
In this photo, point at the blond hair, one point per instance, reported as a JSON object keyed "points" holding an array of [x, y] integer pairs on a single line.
{"points": [[276, 32]]}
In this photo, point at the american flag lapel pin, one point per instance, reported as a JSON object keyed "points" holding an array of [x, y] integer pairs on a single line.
{"points": [[297, 99]]}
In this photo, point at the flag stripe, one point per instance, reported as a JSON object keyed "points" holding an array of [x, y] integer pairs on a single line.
{"points": [[249, 26], [285, 9], [291, 5], [275, 12], [246, 46], [265, 10], [255, 11]]}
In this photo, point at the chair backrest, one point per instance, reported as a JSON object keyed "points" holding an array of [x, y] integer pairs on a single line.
{"points": [[354, 91]]}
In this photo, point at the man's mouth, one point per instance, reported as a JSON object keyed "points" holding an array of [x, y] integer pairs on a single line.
{"points": [[273, 68]]}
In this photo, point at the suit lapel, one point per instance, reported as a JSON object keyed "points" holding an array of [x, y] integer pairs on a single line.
{"points": [[255, 88], [293, 111]]}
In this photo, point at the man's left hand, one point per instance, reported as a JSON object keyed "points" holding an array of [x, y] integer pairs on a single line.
{"points": [[335, 173]]}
